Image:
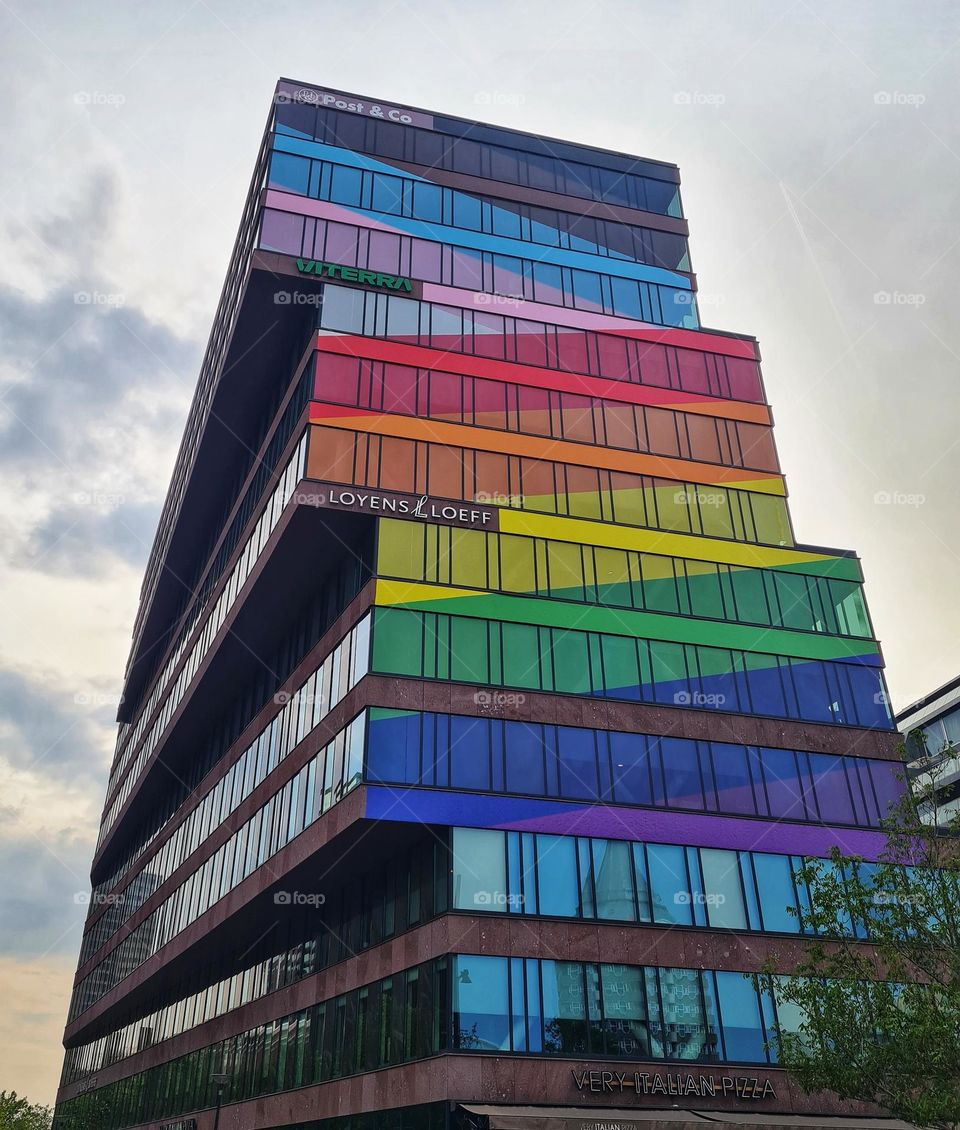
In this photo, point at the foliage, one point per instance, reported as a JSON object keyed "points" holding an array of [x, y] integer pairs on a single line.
{"points": [[18, 1114], [881, 1021]]}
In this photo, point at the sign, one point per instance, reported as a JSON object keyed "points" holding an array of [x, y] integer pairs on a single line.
{"points": [[183, 1124], [358, 500], [351, 104], [679, 1085], [353, 274]]}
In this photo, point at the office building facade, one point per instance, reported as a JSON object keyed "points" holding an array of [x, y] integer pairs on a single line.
{"points": [[931, 733], [481, 704]]}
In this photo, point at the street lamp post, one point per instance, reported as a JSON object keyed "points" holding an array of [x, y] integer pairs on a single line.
{"points": [[220, 1080]]}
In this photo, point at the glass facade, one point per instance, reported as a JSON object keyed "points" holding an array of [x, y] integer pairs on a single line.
{"points": [[628, 702], [574, 763]]}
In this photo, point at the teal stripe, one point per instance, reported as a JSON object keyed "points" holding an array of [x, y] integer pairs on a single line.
{"points": [[479, 241]]}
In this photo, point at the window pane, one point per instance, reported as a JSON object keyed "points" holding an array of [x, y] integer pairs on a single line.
{"points": [[481, 1014], [479, 869], [740, 1012], [721, 885], [557, 876]]}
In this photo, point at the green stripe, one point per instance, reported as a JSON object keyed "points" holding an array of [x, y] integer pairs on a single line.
{"points": [[646, 625]]}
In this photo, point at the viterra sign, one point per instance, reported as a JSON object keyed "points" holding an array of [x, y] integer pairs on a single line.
{"points": [[353, 274]]}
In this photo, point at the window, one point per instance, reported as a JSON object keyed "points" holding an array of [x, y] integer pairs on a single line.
{"points": [[481, 1012], [557, 890], [479, 869]]}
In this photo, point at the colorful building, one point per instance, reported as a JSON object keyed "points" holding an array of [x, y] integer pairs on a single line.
{"points": [[481, 703]]}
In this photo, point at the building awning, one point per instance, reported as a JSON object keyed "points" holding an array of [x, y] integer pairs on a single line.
{"points": [[596, 1118]]}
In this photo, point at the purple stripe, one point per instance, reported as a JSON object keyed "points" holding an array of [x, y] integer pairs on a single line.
{"points": [[473, 810]]}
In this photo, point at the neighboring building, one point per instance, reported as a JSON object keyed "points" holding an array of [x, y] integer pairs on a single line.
{"points": [[931, 731], [480, 700]]}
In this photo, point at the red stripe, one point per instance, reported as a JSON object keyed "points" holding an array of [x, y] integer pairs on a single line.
{"points": [[425, 357]]}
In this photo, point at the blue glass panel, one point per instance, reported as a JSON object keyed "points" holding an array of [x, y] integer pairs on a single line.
{"points": [[481, 1009], [743, 1034], [777, 892], [557, 876], [631, 770], [669, 886]]}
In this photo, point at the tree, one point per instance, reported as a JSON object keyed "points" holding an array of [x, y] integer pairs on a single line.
{"points": [[18, 1114], [880, 1022]]}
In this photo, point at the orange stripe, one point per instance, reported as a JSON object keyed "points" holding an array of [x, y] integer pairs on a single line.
{"points": [[535, 447], [424, 357]]}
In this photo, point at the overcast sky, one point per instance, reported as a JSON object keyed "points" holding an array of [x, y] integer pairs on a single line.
{"points": [[820, 160]]}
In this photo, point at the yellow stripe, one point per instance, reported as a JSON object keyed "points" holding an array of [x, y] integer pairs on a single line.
{"points": [[651, 541]]}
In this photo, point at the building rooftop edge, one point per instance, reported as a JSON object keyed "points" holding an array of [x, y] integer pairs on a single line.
{"points": [[491, 125]]}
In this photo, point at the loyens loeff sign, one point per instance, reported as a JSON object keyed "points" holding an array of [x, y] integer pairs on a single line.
{"points": [[358, 500], [677, 1085]]}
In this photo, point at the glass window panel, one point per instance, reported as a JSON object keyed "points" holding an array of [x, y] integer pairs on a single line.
{"points": [[481, 1009], [624, 1012], [479, 869], [613, 880], [564, 1008], [630, 767], [776, 890], [557, 890], [743, 1034], [524, 758], [669, 885], [722, 890]]}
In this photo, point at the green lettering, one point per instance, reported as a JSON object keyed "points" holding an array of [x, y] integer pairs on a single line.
{"points": [[348, 274]]}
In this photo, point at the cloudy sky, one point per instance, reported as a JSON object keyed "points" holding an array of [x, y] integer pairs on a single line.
{"points": [[820, 159]]}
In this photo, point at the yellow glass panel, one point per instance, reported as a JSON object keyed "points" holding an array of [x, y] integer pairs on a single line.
{"points": [[468, 558], [400, 549], [516, 564]]}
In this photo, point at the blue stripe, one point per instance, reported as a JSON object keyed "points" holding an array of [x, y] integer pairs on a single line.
{"points": [[479, 241]]}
